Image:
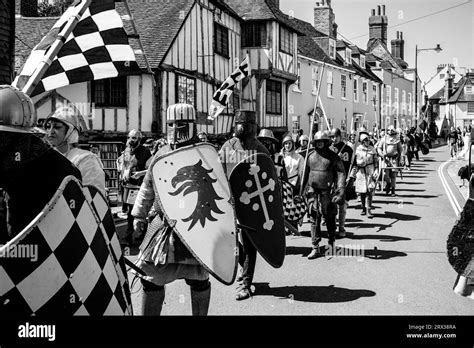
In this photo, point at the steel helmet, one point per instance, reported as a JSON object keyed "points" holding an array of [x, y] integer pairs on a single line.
{"points": [[303, 138], [180, 112], [336, 132], [363, 136], [286, 139], [267, 134], [321, 136], [72, 119], [17, 111]]}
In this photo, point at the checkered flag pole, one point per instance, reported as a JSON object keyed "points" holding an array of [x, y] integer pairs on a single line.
{"points": [[87, 43]]}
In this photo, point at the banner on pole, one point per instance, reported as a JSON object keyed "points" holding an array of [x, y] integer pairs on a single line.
{"points": [[97, 48], [222, 95]]}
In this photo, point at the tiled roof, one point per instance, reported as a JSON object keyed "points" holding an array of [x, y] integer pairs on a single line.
{"points": [[158, 23], [365, 72], [261, 10], [438, 95], [29, 32], [306, 45], [459, 93]]}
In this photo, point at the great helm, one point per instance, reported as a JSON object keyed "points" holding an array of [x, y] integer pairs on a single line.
{"points": [[322, 136], [266, 134], [17, 111], [180, 119]]}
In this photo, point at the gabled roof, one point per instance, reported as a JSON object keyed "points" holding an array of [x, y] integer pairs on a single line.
{"points": [[365, 72], [438, 95], [158, 23], [261, 10], [306, 45], [459, 93]]}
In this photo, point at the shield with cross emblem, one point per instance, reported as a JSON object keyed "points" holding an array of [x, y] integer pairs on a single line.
{"points": [[259, 206]]}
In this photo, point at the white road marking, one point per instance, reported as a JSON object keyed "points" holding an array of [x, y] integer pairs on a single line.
{"points": [[449, 193]]}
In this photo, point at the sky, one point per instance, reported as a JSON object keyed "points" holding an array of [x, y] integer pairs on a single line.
{"points": [[453, 29]]}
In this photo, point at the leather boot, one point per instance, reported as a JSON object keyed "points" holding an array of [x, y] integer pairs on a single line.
{"points": [[369, 206], [152, 302], [342, 220], [331, 226], [315, 239], [200, 301]]}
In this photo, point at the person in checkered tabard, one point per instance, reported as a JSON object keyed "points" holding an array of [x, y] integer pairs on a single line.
{"points": [[31, 171], [163, 257]]}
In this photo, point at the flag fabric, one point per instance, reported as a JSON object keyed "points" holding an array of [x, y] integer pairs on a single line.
{"points": [[222, 95], [97, 48], [68, 261]]}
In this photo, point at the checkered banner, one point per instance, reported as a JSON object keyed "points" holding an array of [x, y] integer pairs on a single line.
{"points": [[222, 95], [97, 48], [67, 261], [293, 210]]}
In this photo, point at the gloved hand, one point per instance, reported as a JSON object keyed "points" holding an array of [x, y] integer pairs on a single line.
{"points": [[350, 182], [139, 225], [339, 197], [375, 176]]}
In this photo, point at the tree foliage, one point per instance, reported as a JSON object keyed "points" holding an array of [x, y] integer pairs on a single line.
{"points": [[46, 9]]}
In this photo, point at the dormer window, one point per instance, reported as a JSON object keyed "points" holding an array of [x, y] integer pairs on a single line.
{"points": [[332, 48], [442, 76], [468, 89], [348, 56], [362, 60]]}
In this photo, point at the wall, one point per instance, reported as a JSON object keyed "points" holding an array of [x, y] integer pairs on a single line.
{"points": [[192, 54], [137, 115]]}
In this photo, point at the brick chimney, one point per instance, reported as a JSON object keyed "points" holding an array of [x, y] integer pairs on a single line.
{"points": [[26, 8], [378, 23], [7, 41], [448, 86], [324, 18], [398, 46]]}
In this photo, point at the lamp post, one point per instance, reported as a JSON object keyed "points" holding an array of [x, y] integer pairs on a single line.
{"points": [[437, 49]]}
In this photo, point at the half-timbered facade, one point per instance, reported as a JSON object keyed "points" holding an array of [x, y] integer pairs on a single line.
{"points": [[271, 42], [204, 51]]}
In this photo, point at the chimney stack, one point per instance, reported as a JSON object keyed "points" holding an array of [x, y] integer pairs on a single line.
{"points": [[448, 87], [378, 25], [398, 46], [324, 18]]}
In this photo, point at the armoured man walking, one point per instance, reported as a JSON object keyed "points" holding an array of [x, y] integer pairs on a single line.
{"points": [[163, 257], [325, 186]]}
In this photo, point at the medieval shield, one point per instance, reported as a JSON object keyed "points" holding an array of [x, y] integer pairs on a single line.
{"points": [[196, 199], [64, 262], [259, 206]]}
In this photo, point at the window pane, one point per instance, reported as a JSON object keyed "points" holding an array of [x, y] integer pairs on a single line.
{"points": [[99, 92], [118, 91]]}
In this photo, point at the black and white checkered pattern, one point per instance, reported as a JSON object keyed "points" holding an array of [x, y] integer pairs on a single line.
{"points": [[293, 211], [98, 48], [75, 272]]}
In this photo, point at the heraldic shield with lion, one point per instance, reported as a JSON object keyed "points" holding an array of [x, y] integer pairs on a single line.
{"points": [[259, 206], [196, 198]]}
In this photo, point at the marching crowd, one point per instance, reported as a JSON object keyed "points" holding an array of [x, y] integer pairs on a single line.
{"points": [[320, 172]]}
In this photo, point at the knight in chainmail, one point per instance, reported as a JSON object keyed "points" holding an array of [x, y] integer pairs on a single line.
{"points": [[163, 258]]}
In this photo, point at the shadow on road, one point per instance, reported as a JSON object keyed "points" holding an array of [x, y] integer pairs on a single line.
{"points": [[356, 252], [381, 237], [417, 196], [321, 294], [412, 190], [388, 202], [398, 216], [411, 183]]}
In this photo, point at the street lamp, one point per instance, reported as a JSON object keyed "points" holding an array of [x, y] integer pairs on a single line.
{"points": [[437, 49]]}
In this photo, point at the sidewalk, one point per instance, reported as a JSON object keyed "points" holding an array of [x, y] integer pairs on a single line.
{"points": [[452, 170]]}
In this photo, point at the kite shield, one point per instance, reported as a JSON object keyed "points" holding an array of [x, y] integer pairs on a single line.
{"points": [[196, 200]]}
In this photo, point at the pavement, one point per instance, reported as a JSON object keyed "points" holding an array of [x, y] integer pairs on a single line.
{"points": [[393, 264]]}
